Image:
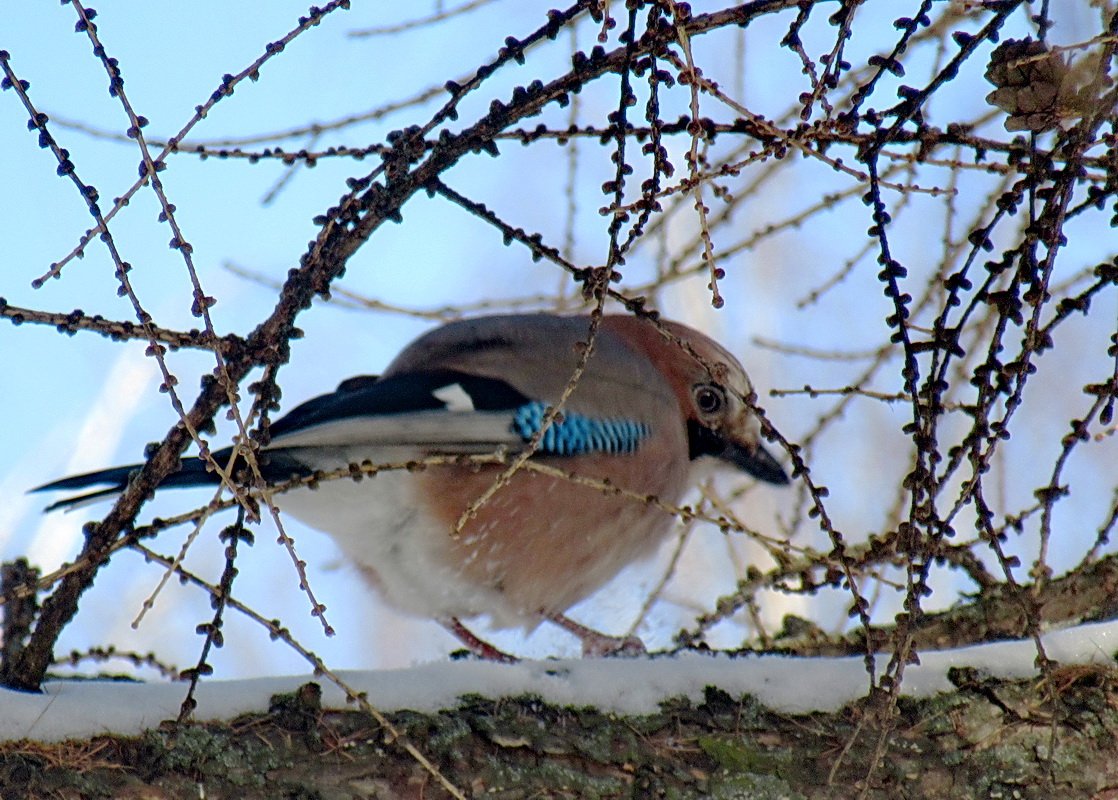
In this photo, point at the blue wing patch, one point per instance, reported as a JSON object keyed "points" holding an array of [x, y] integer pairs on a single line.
{"points": [[578, 434]]}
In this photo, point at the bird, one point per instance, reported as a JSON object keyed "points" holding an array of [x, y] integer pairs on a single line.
{"points": [[654, 402]]}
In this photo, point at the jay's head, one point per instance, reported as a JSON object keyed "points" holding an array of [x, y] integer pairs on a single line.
{"points": [[713, 392]]}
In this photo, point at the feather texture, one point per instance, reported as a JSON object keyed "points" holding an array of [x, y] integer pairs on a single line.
{"points": [[642, 412]]}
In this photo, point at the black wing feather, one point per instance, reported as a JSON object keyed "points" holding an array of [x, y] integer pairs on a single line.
{"points": [[366, 396], [362, 396]]}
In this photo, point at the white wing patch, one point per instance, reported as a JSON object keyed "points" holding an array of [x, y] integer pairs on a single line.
{"points": [[455, 397]]}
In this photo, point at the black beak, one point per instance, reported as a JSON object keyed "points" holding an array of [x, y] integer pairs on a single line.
{"points": [[757, 461]]}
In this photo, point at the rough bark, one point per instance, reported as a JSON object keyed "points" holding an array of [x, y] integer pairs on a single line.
{"points": [[986, 739]]}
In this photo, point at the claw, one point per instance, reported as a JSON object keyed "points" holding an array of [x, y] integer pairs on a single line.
{"points": [[478, 646], [596, 644]]}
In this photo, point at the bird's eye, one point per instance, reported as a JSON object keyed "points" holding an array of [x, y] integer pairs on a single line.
{"points": [[709, 398]]}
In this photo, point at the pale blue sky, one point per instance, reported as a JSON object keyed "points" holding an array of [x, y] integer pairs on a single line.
{"points": [[73, 404]]}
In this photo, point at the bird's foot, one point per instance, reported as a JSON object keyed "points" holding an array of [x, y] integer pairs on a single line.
{"points": [[596, 644], [478, 646]]}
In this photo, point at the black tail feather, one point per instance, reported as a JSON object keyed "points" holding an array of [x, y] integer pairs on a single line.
{"points": [[117, 478], [192, 473], [77, 501], [275, 465]]}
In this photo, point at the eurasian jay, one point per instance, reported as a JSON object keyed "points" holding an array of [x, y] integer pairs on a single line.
{"points": [[645, 410]]}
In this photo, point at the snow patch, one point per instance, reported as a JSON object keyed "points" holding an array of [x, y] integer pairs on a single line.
{"points": [[78, 709]]}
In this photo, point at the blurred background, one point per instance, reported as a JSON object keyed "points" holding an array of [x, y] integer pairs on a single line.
{"points": [[804, 306]]}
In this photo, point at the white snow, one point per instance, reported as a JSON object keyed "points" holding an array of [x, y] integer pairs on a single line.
{"points": [[78, 709]]}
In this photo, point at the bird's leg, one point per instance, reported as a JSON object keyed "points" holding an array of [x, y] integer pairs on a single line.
{"points": [[596, 644], [478, 646]]}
